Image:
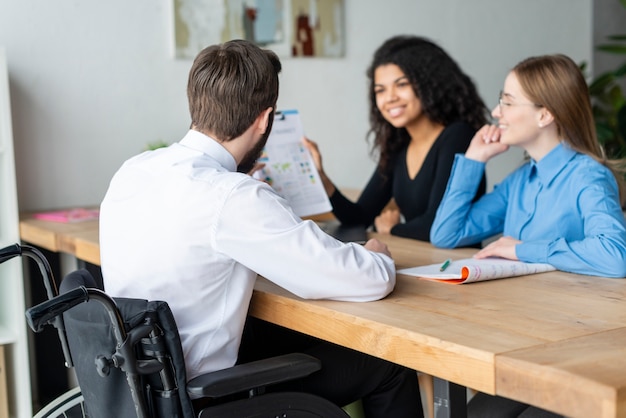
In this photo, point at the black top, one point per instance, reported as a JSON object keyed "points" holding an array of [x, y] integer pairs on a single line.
{"points": [[417, 199]]}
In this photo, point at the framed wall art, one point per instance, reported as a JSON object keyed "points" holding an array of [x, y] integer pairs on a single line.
{"points": [[291, 28]]}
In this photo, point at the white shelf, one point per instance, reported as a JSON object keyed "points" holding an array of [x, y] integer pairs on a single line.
{"points": [[13, 328]]}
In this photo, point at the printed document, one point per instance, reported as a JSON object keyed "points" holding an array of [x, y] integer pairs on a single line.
{"points": [[289, 167]]}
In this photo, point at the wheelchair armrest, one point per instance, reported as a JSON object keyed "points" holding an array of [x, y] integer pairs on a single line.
{"points": [[255, 374]]}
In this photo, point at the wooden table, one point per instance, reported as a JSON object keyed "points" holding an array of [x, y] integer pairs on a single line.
{"points": [[554, 340], [79, 239]]}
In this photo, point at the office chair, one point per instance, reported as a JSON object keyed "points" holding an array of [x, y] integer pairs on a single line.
{"points": [[129, 363]]}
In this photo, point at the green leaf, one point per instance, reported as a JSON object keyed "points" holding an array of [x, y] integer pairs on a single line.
{"points": [[604, 132], [155, 145], [621, 71], [623, 2], [612, 48], [617, 37], [600, 83], [616, 96]]}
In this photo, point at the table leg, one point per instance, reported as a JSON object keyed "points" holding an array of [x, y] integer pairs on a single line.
{"points": [[450, 399]]}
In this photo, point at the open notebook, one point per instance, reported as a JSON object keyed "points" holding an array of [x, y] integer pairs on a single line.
{"points": [[469, 270]]}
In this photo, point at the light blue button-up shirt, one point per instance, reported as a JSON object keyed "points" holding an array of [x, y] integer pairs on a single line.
{"points": [[564, 208]]}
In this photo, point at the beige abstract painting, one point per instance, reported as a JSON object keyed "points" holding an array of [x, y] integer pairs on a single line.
{"points": [[296, 28]]}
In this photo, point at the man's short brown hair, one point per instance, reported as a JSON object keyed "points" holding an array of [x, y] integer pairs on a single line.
{"points": [[229, 85]]}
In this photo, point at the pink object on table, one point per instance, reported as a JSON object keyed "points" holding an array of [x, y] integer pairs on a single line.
{"points": [[69, 215]]}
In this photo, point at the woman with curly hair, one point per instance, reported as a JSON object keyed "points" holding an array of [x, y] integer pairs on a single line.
{"points": [[423, 111]]}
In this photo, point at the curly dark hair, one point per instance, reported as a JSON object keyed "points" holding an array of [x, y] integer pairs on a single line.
{"points": [[446, 93]]}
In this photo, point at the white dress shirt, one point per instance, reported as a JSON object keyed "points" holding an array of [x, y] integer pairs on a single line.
{"points": [[179, 224]]}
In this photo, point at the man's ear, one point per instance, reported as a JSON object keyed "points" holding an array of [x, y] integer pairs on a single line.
{"points": [[264, 119]]}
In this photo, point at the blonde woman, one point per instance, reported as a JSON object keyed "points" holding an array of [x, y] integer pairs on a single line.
{"points": [[562, 207]]}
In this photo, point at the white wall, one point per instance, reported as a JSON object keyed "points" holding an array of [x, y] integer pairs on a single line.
{"points": [[609, 18], [93, 81]]}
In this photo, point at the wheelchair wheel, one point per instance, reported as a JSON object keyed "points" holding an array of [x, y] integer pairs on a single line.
{"points": [[68, 405]]}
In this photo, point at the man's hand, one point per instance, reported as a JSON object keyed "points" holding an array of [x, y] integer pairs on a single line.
{"points": [[377, 246]]}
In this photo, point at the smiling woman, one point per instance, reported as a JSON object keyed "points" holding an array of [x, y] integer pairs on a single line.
{"points": [[423, 110], [545, 110], [560, 208]]}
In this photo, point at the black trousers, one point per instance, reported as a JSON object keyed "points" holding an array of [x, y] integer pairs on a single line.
{"points": [[386, 389]]}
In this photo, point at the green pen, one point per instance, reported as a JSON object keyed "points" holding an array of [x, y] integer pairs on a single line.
{"points": [[445, 264]]}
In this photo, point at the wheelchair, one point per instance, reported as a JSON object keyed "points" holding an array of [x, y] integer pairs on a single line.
{"points": [[129, 361], [71, 403]]}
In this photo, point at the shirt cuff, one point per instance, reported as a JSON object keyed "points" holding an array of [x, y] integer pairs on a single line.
{"points": [[532, 252]]}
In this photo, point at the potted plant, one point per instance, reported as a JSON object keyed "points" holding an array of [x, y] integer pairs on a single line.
{"points": [[609, 102]]}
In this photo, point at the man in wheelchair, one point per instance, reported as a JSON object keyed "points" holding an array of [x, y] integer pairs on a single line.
{"points": [[186, 224]]}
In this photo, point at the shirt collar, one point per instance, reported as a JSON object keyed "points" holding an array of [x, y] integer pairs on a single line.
{"points": [[209, 146], [551, 165]]}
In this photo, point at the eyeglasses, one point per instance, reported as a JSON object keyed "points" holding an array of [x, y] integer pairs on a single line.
{"points": [[504, 104]]}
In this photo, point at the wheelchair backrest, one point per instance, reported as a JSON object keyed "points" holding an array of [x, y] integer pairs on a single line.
{"points": [[152, 336]]}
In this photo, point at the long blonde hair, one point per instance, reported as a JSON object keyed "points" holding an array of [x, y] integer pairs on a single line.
{"points": [[556, 83]]}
